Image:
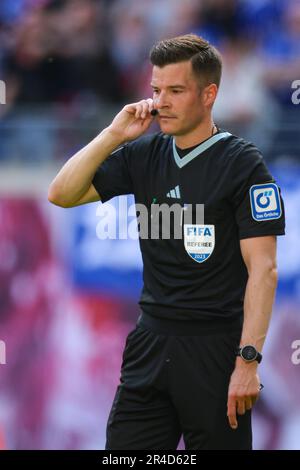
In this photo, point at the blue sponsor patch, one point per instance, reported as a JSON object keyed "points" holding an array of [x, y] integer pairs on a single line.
{"points": [[265, 202]]}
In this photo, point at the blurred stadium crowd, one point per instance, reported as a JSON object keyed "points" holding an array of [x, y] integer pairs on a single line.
{"points": [[69, 64]]}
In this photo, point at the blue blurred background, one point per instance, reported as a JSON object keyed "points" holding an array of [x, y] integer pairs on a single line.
{"points": [[68, 299]]}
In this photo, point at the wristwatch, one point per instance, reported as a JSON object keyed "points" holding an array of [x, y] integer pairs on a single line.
{"points": [[249, 353]]}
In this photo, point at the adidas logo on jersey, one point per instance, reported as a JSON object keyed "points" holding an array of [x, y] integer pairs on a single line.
{"points": [[174, 193]]}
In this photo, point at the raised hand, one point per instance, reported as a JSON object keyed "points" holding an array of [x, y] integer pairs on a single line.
{"points": [[132, 121]]}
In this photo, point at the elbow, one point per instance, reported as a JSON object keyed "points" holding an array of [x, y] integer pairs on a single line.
{"points": [[268, 274], [265, 271], [55, 197], [273, 275], [271, 271]]}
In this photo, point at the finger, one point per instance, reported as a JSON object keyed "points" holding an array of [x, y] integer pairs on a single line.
{"points": [[145, 109], [141, 110], [254, 398], [231, 412], [241, 406], [150, 104], [248, 403], [130, 108], [138, 110]]}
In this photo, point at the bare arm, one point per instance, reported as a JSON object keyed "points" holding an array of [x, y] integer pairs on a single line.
{"points": [[259, 255], [73, 184]]}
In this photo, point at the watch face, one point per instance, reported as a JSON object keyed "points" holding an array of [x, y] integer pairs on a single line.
{"points": [[249, 353]]}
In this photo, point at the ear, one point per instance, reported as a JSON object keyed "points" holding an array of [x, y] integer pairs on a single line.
{"points": [[210, 94]]}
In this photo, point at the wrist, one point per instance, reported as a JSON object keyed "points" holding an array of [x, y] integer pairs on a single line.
{"points": [[241, 364], [107, 142], [114, 136]]}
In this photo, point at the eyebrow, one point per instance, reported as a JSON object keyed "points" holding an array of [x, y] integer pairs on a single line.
{"points": [[171, 86]]}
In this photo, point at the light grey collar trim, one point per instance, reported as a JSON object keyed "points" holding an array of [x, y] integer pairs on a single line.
{"points": [[199, 149]]}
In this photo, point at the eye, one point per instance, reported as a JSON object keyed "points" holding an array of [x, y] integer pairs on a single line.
{"points": [[177, 91], [155, 91]]}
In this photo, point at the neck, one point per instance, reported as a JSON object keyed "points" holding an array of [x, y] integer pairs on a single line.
{"points": [[202, 132]]}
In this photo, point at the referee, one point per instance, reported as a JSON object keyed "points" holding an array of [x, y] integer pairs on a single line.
{"points": [[190, 365]]}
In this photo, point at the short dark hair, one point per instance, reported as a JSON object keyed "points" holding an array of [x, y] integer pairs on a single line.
{"points": [[206, 59]]}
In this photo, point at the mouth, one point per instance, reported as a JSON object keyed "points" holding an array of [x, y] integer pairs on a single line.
{"points": [[166, 117]]}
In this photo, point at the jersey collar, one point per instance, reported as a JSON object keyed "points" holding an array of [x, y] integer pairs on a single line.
{"points": [[198, 150]]}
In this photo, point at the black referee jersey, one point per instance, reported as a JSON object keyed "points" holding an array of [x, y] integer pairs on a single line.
{"points": [[202, 275]]}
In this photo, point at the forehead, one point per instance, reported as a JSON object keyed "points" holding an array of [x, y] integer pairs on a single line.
{"points": [[173, 74]]}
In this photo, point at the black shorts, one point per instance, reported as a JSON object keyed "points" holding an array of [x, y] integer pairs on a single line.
{"points": [[174, 381]]}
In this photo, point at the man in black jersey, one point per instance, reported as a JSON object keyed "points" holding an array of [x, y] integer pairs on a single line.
{"points": [[190, 364]]}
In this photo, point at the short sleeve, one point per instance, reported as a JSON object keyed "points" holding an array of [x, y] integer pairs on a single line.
{"points": [[112, 177], [256, 198]]}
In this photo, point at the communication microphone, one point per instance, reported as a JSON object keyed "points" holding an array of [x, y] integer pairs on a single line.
{"points": [[153, 112]]}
